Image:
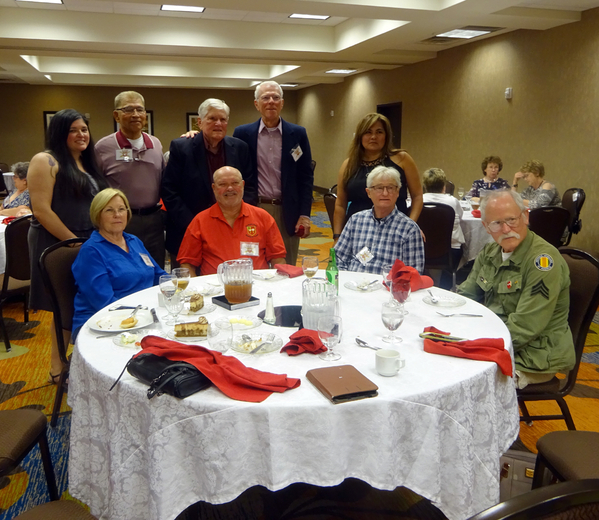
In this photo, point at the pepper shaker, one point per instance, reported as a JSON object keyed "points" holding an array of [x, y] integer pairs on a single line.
{"points": [[269, 314]]}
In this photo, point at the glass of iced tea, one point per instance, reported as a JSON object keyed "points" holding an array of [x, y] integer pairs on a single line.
{"points": [[236, 276], [182, 274]]}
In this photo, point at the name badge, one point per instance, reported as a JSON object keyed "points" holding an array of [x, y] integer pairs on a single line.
{"points": [[364, 255], [124, 154], [250, 249], [146, 259], [296, 152]]}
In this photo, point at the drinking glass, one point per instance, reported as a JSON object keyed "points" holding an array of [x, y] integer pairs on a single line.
{"points": [[168, 288], [174, 305], [220, 335], [182, 274], [400, 290], [329, 332], [392, 316], [460, 192], [310, 265], [468, 198], [386, 272]]}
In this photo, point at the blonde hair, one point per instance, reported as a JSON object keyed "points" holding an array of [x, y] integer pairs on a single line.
{"points": [[101, 200], [433, 180], [534, 167]]}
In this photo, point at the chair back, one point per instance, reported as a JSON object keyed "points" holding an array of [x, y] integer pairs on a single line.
{"points": [[549, 223], [449, 187], [436, 221], [17, 250], [573, 200], [329, 202], [584, 300], [55, 264]]}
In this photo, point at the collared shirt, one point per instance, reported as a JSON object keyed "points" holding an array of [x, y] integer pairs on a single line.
{"points": [[270, 145], [395, 236], [139, 178], [529, 291], [210, 240]]}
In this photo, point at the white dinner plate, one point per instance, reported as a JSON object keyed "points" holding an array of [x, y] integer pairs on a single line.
{"points": [[204, 290], [269, 276], [246, 346], [132, 339], [243, 322], [185, 339], [110, 321], [206, 309], [445, 300], [362, 285]]}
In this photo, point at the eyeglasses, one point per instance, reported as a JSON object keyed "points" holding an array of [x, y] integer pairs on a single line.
{"points": [[265, 98], [130, 110], [380, 189], [497, 225]]}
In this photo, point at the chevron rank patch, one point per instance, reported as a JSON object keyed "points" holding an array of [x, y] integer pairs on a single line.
{"points": [[540, 288], [544, 262]]}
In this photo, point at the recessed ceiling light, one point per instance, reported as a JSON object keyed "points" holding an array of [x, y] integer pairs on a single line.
{"points": [[48, 76], [309, 16], [341, 71], [182, 8], [43, 1], [463, 33], [289, 85]]}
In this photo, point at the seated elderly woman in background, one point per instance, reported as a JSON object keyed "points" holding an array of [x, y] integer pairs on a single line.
{"points": [[433, 181], [111, 264], [491, 166], [539, 193], [17, 203]]}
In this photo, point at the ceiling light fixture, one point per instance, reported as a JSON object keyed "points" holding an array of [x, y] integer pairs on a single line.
{"points": [[341, 71], [182, 8], [289, 85], [43, 1], [463, 33], [309, 16]]}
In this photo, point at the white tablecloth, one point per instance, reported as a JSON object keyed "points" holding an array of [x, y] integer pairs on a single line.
{"points": [[476, 237], [438, 428]]}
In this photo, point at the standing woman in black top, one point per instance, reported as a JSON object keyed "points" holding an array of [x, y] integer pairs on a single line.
{"points": [[62, 180]]}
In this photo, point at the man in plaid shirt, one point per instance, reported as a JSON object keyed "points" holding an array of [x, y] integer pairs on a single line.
{"points": [[375, 237]]}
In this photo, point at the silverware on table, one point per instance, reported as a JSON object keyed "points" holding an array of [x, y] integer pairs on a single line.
{"points": [[434, 299], [111, 335], [268, 341], [362, 343], [368, 285], [154, 316], [460, 314], [135, 311], [124, 307]]}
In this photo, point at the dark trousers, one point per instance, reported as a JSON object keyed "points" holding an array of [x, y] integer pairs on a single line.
{"points": [[150, 230]]}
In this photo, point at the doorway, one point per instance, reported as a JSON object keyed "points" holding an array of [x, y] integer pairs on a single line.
{"points": [[392, 111]]}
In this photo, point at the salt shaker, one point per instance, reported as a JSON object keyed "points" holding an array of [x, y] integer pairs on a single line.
{"points": [[269, 314]]}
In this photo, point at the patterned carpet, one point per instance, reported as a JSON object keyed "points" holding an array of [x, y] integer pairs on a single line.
{"points": [[23, 384]]}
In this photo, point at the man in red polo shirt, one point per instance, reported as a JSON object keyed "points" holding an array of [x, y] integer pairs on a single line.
{"points": [[230, 229]]}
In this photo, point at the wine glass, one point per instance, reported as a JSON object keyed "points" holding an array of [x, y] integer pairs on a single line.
{"points": [[220, 335], [329, 332], [468, 198], [168, 287], [174, 305], [393, 316], [182, 281], [386, 272], [460, 192], [400, 289], [310, 265]]}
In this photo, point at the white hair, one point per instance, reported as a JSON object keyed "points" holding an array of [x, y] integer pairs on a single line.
{"points": [[217, 104], [260, 85], [383, 171], [495, 194]]}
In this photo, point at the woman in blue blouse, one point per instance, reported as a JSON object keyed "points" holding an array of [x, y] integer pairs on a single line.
{"points": [[112, 264], [491, 167]]}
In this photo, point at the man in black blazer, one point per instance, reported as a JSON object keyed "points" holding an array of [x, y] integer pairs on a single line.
{"points": [[282, 163], [187, 183]]}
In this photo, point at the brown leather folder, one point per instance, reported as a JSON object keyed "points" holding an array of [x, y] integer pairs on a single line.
{"points": [[342, 383]]}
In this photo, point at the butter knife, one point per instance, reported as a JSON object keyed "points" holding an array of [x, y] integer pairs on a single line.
{"points": [[154, 316]]}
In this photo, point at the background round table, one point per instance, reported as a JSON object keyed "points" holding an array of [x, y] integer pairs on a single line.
{"points": [[438, 427]]}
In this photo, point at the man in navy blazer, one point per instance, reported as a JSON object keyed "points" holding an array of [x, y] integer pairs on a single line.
{"points": [[282, 163], [187, 182]]}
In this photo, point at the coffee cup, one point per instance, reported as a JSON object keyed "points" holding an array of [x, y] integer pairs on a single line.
{"points": [[388, 362]]}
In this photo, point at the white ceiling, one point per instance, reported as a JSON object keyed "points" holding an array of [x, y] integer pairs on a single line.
{"points": [[134, 44]]}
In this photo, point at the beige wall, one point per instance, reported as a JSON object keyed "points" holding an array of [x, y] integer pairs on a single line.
{"points": [[22, 107], [455, 113]]}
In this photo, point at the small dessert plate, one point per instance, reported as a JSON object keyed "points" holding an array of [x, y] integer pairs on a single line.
{"points": [[364, 285], [243, 322], [133, 339], [206, 309], [246, 343], [445, 300], [185, 339]]}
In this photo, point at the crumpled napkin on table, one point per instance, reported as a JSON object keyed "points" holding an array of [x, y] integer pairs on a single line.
{"points": [[304, 340], [401, 271], [290, 270], [481, 349], [476, 213]]}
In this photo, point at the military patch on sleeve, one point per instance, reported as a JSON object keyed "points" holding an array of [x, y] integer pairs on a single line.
{"points": [[540, 288], [544, 262]]}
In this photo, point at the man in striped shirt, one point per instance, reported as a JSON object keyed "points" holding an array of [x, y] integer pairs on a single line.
{"points": [[376, 237]]}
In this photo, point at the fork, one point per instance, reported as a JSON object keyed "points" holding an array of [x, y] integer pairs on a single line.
{"points": [[269, 339], [460, 314]]}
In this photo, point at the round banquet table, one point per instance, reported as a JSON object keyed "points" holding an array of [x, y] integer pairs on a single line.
{"points": [[475, 236], [439, 427]]}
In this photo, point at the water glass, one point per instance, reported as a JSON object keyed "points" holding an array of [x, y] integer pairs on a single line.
{"points": [[329, 332], [220, 335], [310, 265], [392, 316]]}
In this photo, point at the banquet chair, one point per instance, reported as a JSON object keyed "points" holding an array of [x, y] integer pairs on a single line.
{"points": [[578, 500], [436, 222], [20, 431], [568, 455], [329, 203], [449, 187], [55, 264], [584, 299], [573, 200], [549, 223], [16, 278]]}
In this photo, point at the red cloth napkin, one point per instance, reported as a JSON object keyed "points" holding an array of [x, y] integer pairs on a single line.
{"points": [[227, 373], [8, 220], [482, 349], [291, 270], [304, 340], [401, 271], [476, 213]]}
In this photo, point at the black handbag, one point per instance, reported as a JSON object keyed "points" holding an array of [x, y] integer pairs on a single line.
{"points": [[176, 378]]}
